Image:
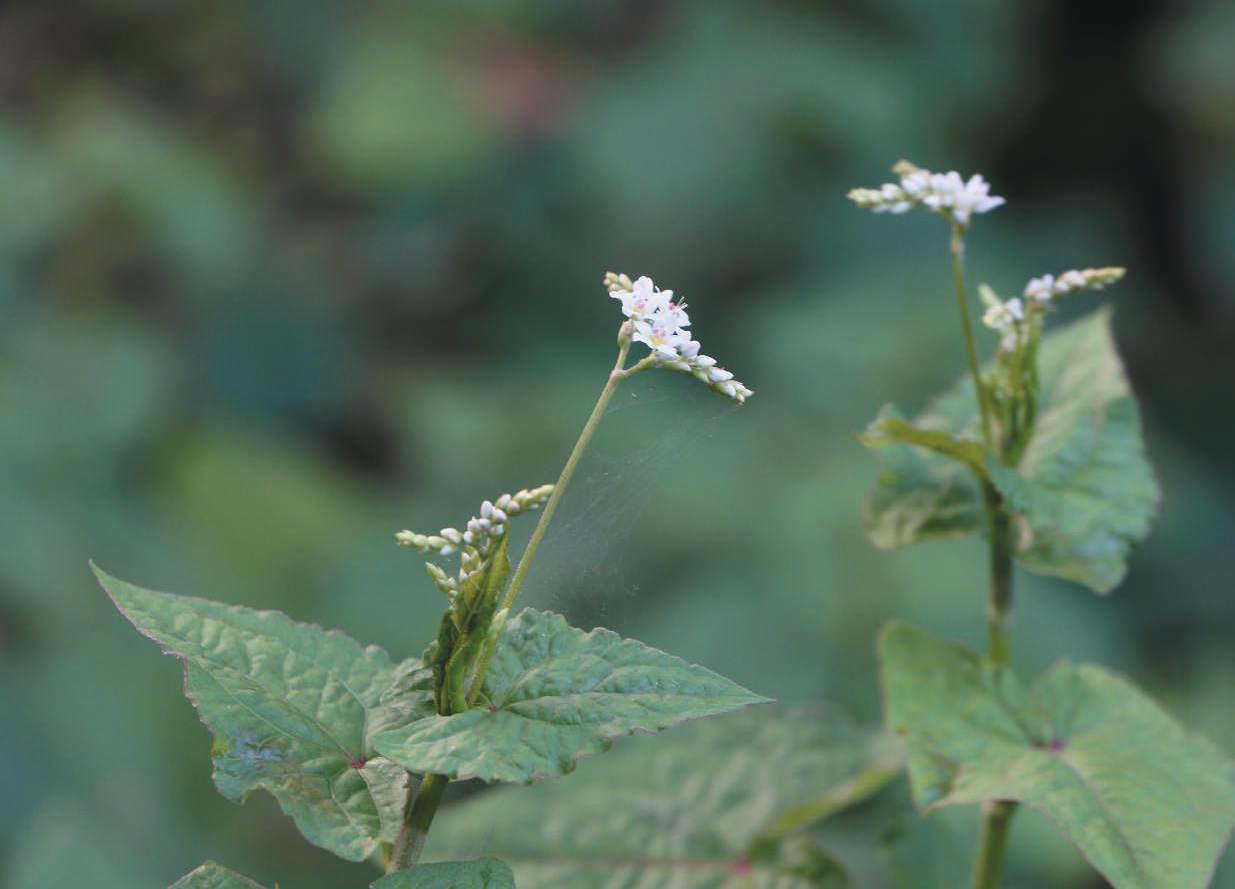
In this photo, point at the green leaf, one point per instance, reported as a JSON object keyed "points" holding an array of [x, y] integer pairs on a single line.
{"points": [[919, 493], [888, 429], [483, 873], [292, 708], [1148, 804], [214, 876], [1084, 488], [705, 806], [556, 694]]}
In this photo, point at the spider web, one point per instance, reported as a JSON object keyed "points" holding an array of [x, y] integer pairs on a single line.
{"points": [[587, 560]]}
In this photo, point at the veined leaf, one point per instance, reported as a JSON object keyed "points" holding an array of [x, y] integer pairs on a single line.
{"points": [[555, 694], [291, 707], [708, 805], [214, 876], [1148, 804], [920, 493], [888, 429], [1084, 488], [481, 873]]}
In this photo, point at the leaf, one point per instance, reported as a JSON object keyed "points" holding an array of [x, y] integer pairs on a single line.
{"points": [[291, 707], [919, 494], [890, 429], [1084, 488], [558, 693], [214, 876], [705, 806], [482, 873], [1148, 804]]}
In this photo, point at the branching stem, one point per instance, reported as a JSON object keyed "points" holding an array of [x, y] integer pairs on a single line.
{"points": [[420, 810], [987, 873], [616, 376], [568, 471]]}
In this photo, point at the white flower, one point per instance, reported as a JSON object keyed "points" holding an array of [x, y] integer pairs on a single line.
{"points": [[475, 545], [1070, 281], [1043, 290], [1001, 316], [945, 193], [1040, 289], [643, 299], [661, 324], [661, 335]]}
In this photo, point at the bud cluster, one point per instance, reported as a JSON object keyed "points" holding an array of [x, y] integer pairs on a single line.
{"points": [[1010, 318], [1004, 317], [1046, 288], [947, 194], [661, 324], [475, 543]]}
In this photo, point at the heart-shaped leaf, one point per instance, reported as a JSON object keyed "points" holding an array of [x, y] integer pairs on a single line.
{"points": [[556, 693], [1148, 804], [1084, 488]]}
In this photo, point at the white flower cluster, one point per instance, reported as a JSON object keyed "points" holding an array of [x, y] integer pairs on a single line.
{"points": [[1007, 317], [1043, 290], [661, 324], [476, 542], [954, 198], [1004, 317]]}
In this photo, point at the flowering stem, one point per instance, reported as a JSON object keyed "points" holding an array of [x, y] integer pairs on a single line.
{"points": [[420, 810], [962, 302], [999, 813], [568, 471], [559, 488]]}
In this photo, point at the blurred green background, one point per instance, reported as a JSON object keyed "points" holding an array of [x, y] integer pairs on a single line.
{"points": [[278, 279]]}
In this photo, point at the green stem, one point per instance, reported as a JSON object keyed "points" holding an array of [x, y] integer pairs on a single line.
{"points": [[1000, 601], [987, 874], [559, 488], [962, 302], [998, 813], [568, 471], [416, 822]]}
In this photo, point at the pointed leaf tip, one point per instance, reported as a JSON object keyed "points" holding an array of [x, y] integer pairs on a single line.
{"points": [[291, 707], [559, 694], [214, 876]]}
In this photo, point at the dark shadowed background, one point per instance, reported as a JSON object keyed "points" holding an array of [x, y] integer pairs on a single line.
{"points": [[278, 279]]}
